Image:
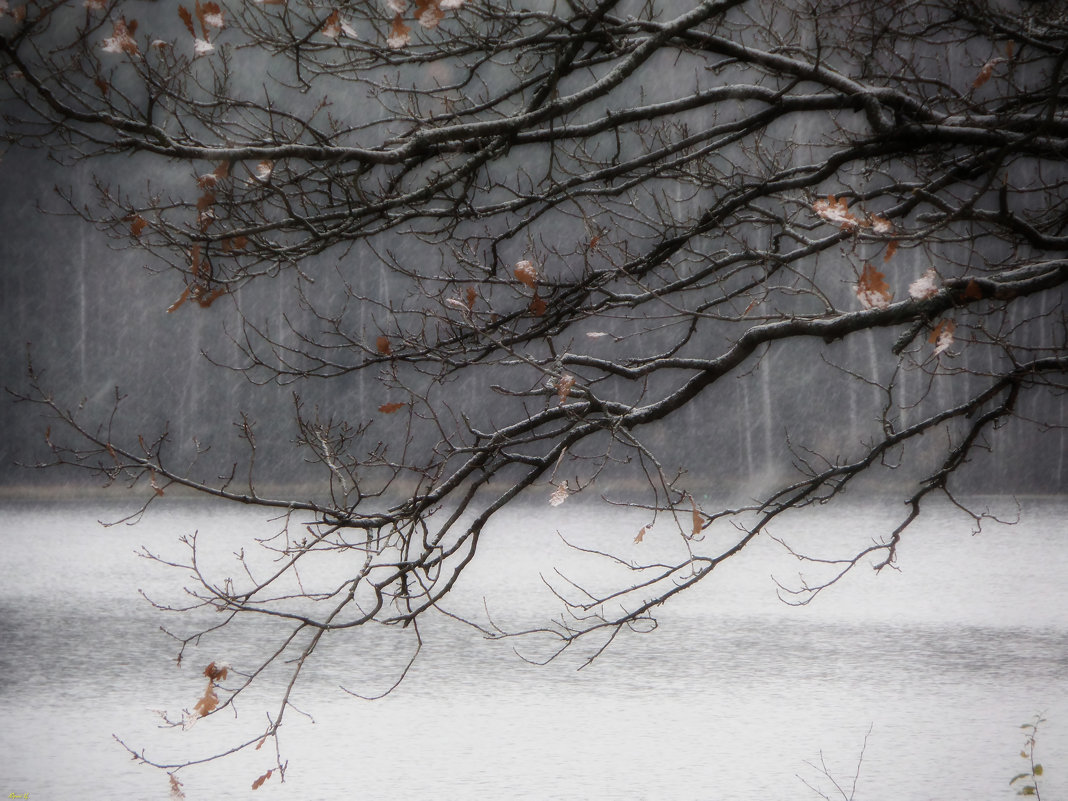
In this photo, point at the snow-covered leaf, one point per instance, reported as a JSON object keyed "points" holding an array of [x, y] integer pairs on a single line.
{"points": [[872, 291], [836, 210], [925, 286], [942, 336], [399, 34], [526, 273], [121, 39]]}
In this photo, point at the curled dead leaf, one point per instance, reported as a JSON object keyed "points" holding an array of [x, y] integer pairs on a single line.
{"points": [[563, 387], [698, 522], [560, 495], [390, 408]]}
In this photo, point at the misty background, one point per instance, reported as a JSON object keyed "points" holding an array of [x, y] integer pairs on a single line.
{"points": [[93, 319]]}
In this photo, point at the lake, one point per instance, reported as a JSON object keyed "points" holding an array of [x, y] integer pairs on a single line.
{"points": [[735, 696]]}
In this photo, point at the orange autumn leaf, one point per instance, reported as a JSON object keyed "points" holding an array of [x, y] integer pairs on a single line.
{"points": [[526, 273], [207, 703], [259, 782], [429, 13], [210, 16], [872, 291], [137, 225], [390, 408], [836, 210], [181, 299], [203, 297], [697, 520], [187, 20], [537, 305], [216, 673], [399, 34], [641, 534], [332, 27], [891, 249], [383, 346]]}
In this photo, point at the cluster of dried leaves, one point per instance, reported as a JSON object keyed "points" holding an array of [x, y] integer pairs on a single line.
{"points": [[872, 290]]}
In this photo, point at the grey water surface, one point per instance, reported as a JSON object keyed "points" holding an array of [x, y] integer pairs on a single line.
{"points": [[928, 670]]}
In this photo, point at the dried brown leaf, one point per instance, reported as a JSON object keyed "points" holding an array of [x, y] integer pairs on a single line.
{"points": [[207, 703], [399, 34], [891, 249], [187, 20], [986, 72], [383, 346], [210, 16], [836, 210], [216, 673], [137, 225], [872, 291], [537, 305], [332, 27], [641, 534], [942, 336], [181, 299], [259, 782], [526, 273], [121, 39], [429, 13], [390, 408], [698, 523], [563, 387]]}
